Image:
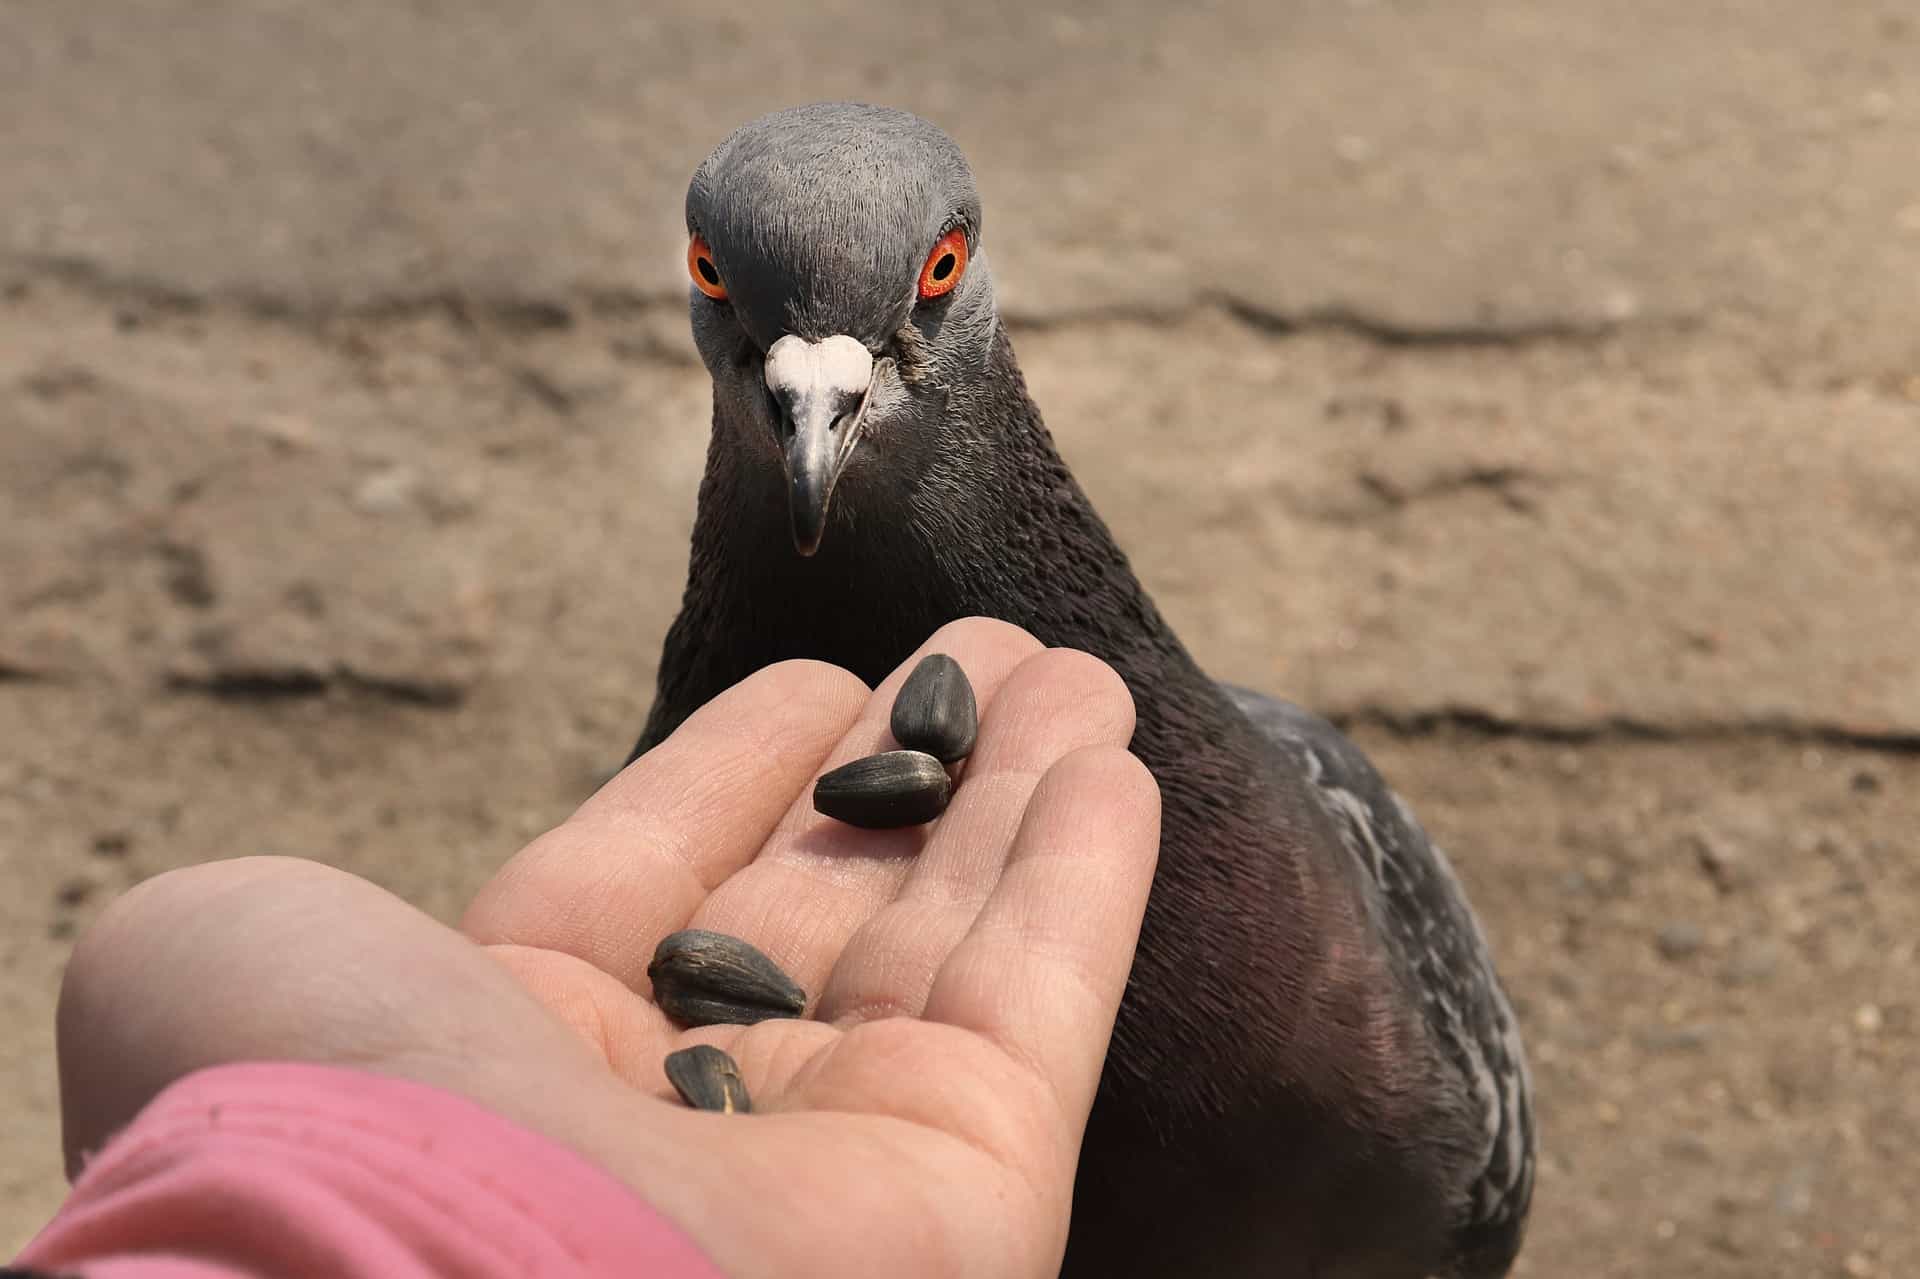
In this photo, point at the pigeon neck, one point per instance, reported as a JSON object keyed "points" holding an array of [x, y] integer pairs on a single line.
{"points": [[994, 525]]}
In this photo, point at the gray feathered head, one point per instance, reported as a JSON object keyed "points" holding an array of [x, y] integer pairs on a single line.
{"points": [[839, 290]]}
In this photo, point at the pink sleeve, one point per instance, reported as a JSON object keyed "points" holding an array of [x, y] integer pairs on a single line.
{"points": [[288, 1171]]}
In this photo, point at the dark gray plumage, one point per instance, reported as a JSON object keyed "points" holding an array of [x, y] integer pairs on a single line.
{"points": [[1314, 1071]]}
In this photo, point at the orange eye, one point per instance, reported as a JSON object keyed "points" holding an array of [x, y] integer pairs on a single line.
{"points": [[706, 276], [945, 265]]}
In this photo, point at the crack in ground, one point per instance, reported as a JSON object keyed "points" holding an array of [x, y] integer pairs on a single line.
{"points": [[1503, 482], [269, 685], [476, 312], [1479, 723], [1383, 331], [463, 311]]}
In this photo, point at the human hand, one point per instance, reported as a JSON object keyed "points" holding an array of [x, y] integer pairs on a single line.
{"points": [[963, 978]]}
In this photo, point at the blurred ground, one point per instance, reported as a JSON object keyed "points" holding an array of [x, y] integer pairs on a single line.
{"points": [[1534, 387]]}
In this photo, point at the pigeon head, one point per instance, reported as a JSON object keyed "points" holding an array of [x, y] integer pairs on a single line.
{"points": [[839, 296]]}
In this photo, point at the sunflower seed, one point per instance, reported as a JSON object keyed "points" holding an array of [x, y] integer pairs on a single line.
{"points": [[894, 788], [703, 978], [935, 711], [708, 1079]]}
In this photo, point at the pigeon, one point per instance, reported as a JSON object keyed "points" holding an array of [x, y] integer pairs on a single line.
{"points": [[1315, 1069]]}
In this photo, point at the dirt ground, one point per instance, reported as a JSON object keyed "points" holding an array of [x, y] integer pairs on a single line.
{"points": [[1612, 560]]}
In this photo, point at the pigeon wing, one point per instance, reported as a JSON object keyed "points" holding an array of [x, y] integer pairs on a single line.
{"points": [[1443, 955]]}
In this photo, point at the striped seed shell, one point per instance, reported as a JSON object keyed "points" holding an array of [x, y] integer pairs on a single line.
{"points": [[703, 978], [935, 711], [893, 788], [708, 1079]]}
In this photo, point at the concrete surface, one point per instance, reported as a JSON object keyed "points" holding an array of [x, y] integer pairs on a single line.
{"points": [[1534, 386], [1426, 168]]}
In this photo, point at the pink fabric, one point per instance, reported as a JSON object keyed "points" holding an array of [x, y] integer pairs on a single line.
{"points": [[284, 1170]]}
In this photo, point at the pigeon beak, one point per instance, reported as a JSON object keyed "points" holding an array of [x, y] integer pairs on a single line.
{"points": [[821, 389]]}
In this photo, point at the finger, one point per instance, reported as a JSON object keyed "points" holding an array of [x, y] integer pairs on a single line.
{"points": [[1057, 702], [818, 879], [636, 861], [1041, 971]]}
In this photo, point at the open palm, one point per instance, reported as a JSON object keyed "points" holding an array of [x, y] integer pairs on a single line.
{"points": [[923, 1118]]}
